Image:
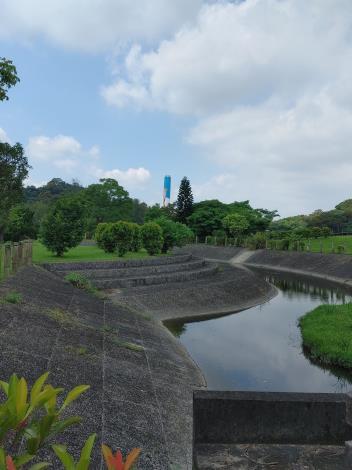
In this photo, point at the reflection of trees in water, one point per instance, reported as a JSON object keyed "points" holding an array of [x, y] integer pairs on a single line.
{"points": [[176, 328], [291, 287], [343, 376]]}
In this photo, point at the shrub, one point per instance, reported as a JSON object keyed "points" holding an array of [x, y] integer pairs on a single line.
{"points": [[340, 248], [152, 237], [256, 241], [283, 244], [63, 227], [78, 280], [105, 237], [99, 234], [136, 244], [123, 234], [184, 234], [325, 232], [169, 233], [316, 232]]}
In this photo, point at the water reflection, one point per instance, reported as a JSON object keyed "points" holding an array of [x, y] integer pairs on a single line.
{"points": [[260, 348]]}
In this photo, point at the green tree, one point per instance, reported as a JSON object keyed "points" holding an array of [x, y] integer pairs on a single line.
{"points": [[235, 225], [123, 233], [106, 201], [63, 227], [155, 212], [136, 237], [13, 170], [184, 204], [20, 224], [8, 77], [169, 232], [207, 217], [152, 237]]}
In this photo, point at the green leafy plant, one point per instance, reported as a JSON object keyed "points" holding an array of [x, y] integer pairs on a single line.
{"points": [[68, 461], [78, 280], [136, 244], [152, 237], [32, 417], [12, 297], [123, 234]]}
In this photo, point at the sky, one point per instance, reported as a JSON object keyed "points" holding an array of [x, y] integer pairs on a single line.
{"points": [[250, 99]]}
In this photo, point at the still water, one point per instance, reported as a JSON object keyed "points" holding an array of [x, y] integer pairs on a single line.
{"points": [[260, 348]]}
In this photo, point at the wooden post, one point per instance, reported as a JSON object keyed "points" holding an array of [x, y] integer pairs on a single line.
{"points": [[225, 241], [332, 246], [14, 257], [321, 246], [7, 260], [215, 241], [196, 239], [20, 255], [30, 252]]}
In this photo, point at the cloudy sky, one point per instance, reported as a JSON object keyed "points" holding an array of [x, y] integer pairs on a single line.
{"points": [[250, 100]]}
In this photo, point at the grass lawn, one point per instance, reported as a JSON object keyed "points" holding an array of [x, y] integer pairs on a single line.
{"points": [[80, 253], [327, 334], [330, 242]]}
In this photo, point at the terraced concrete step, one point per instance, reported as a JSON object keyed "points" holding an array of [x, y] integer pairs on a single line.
{"points": [[162, 278], [137, 271], [128, 263]]}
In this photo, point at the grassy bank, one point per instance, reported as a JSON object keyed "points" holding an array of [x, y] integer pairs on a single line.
{"points": [[80, 253], [330, 244], [327, 334]]}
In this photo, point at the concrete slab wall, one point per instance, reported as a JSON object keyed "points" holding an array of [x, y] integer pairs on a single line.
{"points": [[275, 418]]}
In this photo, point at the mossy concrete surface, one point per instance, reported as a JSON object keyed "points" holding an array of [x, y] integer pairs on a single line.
{"points": [[139, 397]]}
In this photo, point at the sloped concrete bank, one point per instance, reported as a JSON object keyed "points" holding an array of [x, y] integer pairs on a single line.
{"points": [[335, 268], [332, 267], [140, 396]]}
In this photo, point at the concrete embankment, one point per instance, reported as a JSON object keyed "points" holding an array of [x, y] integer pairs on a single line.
{"points": [[141, 377], [332, 267], [335, 268]]}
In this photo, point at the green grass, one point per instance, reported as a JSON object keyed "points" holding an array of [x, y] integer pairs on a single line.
{"points": [[327, 334], [328, 243], [80, 253]]}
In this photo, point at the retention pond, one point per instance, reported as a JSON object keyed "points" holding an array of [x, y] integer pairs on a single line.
{"points": [[260, 348]]}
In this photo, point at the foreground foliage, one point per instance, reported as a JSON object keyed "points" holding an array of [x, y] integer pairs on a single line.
{"points": [[31, 419], [326, 333]]}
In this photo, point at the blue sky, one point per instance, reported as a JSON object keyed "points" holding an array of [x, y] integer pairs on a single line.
{"points": [[250, 100]]}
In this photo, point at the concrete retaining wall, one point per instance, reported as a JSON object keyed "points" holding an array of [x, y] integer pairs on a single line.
{"points": [[223, 253], [275, 418], [327, 266], [158, 260]]}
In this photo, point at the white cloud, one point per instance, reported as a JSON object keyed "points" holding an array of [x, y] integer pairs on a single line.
{"points": [[3, 136], [130, 177], [50, 148], [269, 83], [93, 25]]}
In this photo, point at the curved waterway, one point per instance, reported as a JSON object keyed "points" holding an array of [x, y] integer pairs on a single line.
{"points": [[261, 348]]}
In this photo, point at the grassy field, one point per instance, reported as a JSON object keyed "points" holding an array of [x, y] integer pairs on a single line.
{"points": [[330, 243], [80, 253], [327, 334]]}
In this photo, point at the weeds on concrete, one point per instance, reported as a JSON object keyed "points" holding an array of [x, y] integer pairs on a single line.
{"points": [[81, 282], [12, 297], [127, 345], [77, 350], [63, 317]]}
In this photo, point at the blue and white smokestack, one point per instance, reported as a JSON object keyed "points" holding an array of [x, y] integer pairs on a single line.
{"points": [[167, 191]]}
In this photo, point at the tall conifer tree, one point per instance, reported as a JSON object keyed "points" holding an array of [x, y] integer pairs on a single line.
{"points": [[184, 205]]}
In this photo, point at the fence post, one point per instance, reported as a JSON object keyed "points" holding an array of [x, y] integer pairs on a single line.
{"points": [[321, 247], [7, 260], [20, 255], [14, 257], [332, 246], [196, 239], [30, 252]]}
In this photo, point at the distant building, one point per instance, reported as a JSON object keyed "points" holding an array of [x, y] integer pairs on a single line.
{"points": [[167, 191]]}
